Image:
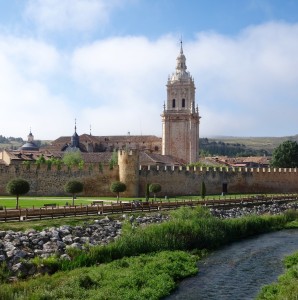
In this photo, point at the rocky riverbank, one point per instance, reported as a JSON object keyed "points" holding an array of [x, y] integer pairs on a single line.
{"points": [[241, 211], [17, 248]]}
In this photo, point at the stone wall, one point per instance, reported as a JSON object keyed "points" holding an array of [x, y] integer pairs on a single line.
{"points": [[187, 181], [174, 180], [97, 179]]}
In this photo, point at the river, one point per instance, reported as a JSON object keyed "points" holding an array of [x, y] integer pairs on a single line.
{"points": [[239, 270]]}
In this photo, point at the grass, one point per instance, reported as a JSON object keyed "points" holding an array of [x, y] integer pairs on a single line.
{"points": [[287, 286], [145, 262], [144, 277], [31, 201], [188, 229]]}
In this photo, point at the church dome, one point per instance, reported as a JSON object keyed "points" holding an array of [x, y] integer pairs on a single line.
{"points": [[29, 145]]}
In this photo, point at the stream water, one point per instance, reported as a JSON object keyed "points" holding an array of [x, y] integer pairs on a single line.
{"points": [[239, 270]]}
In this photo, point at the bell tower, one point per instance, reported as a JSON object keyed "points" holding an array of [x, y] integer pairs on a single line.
{"points": [[180, 117]]}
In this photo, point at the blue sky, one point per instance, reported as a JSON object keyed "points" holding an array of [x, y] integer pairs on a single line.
{"points": [[106, 63]]}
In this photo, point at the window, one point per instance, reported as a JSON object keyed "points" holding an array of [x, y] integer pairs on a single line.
{"points": [[183, 102], [173, 103]]}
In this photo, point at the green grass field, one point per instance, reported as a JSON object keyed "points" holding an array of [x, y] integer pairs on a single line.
{"points": [[30, 201]]}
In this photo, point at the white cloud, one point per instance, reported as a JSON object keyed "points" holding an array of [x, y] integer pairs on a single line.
{"points": [[127, 76], [253, 74], [246, 84], [31, 57], [26, 100], [61, 15]]}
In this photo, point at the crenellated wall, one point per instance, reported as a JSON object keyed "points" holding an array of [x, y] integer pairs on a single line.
{"points": [[44, 181], [174, 180], [187, 181]]}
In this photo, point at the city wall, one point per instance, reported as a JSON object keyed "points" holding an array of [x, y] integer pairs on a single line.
{"points": [[187, 181], [43, 181], [174, 180]]}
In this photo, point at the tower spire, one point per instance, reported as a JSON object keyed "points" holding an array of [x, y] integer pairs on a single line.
{"points": [[181, 48], [179, 117], [75, 125]]}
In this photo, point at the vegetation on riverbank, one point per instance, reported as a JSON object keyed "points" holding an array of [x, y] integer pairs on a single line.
{"points": [[144, 277], [189, 229], [287, 285]]}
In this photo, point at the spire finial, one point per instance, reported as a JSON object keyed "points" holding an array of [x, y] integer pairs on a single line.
{"points": [[90, 129], [75, 125], [181, 48]]}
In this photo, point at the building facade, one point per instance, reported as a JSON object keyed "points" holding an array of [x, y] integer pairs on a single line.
{"points": [[180, 117]]}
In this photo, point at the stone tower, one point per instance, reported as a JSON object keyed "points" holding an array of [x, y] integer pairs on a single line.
{"points": [[128, 162], [180, 117]]}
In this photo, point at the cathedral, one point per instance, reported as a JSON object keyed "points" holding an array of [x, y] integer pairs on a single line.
{"points": [[180, 132], [180, 117]]}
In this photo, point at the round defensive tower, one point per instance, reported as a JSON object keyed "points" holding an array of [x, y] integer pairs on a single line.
{"points": [[128, 162]]}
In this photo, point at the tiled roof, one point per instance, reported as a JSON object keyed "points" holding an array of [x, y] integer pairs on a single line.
{"points": [[97, 157], [155, 158]]}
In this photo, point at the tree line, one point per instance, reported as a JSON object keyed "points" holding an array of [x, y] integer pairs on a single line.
{"points": [[211, 148]]}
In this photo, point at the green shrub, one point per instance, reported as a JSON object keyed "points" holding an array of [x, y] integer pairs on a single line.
{"points": [[287, 285], [151, 276]]}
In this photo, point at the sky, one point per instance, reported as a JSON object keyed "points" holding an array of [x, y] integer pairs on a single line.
{"points": [[105, 63]]}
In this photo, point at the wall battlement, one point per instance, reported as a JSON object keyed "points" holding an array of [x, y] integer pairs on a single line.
{"points": [[199, 170], [20, 169], [175, 180]]}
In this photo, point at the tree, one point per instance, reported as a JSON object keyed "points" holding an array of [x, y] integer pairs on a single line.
{"points": [[154, 188], [117, 187], [285, 155], [72, 159], [18, 187], [147, 191], [114, 160], [203, 190], [73, 187]]}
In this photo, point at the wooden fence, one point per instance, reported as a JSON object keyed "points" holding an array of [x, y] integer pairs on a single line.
{"points": [[100, 208]]}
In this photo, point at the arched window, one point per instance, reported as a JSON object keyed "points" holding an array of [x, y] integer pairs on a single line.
{"points": [[173, 103], [183, 102]]}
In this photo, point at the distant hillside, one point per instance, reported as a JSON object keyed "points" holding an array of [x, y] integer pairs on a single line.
{"points": [[220, 145], [242, 146]]}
